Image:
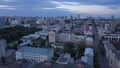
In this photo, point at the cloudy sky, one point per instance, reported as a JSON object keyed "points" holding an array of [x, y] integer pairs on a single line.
{"points": [[60, 7]]}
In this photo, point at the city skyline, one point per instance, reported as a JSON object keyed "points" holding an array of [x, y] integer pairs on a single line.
{"points": [[59, 7]]}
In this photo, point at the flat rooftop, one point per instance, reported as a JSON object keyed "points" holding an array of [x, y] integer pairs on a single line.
{"points": [[43, 51]]}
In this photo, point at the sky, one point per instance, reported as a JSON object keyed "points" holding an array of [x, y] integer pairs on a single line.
{"points": [[60, 7]]}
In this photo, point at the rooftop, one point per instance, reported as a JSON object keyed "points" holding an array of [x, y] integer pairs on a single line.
{"points": [[89, 51], [42, 51], [87, 60]]}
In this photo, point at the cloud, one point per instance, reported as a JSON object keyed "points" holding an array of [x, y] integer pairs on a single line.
{"points": [[48, 8], [7, 7], [58, 7], [114, 7], [8, 0], [75, 7]]}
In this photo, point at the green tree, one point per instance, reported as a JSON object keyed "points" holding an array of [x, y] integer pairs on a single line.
{"points": [[19, 41], [43, 42], [81, 48], [67, 21], [33, 45], [102, 49], [15, 46], [69, 45], [3, 60], [66, 49]]}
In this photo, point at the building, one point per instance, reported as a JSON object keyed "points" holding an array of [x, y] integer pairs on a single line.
{"points": [[112, 37], [2, 21], [52, 37], [88, 32], [89, 41], [2, 47], [117, 28], [112, 24], [64, 37], [88, 58], [112, 54], [30, 37], [64, 59], [34, 54]]}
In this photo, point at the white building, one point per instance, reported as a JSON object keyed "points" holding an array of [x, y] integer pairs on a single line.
{"points": [[14, 22], [2, 47], [30, 37], [89, 52], [112, 37], [88, 57], [34, 54], [52, 37]]}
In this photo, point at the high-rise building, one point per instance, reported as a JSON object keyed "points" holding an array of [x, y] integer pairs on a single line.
{"points": [[2, 47], [2, 21], [112, 24]]}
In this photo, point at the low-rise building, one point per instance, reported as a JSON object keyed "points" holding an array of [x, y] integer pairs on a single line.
{"points": [[34, 54], [63, 37], [88, 57], [112, 37], [89, 41], [64, 59]]}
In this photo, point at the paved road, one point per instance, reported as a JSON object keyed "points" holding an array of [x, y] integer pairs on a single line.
{"points": [[102, 59]]}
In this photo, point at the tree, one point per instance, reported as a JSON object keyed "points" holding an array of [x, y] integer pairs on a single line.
{"points": [[81, 48], [73, 53], [67, 21], [69, 45], [14, 33], [47, 38], [69, 48], [33, 45], [19, 41], [15, 46], [102, 49], [66, 49], [43, 42], [3, 60]]}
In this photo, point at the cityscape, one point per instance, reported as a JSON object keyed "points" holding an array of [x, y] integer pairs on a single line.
{"points": [[59, 34]]}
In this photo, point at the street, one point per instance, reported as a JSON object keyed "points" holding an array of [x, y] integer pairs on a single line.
{"points": [[101, 58]]}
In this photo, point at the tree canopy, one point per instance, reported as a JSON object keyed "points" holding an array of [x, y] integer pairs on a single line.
{"points": [[14, 33]]}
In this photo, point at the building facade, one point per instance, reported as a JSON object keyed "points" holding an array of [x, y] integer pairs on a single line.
{"points": [[52, 37], [112, 54], [34, 54], [2, 47]]}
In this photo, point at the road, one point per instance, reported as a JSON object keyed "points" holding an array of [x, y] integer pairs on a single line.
{"points": [[101, 58]]}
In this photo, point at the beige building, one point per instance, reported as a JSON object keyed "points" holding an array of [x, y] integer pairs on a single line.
{"points": [[89, 41], [52, 37]]}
